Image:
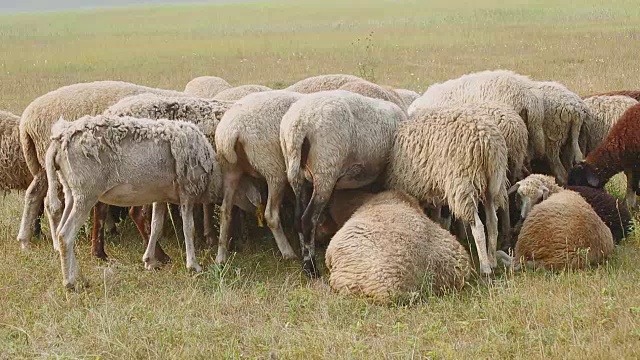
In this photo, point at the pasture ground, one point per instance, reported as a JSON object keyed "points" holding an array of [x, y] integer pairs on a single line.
{"points": [[260, 306]]}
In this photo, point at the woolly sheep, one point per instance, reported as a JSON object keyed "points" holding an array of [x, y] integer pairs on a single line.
{"points": [[502, 86], [388, 248], [335, 140], [619, 151], [322, 83], [238, 92], [408, 96], [454, 156], [71, 102], [126, 161], [605, 110], [562, 232], [14, 170], [342, 205], [634, 94], [248, 139], [206, 86], [375, 91]]}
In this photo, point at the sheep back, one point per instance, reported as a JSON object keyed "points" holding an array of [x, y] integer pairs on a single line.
{"points": [[563, 232], [388, 248], [238, 92], [375, 91], [14, 173], [605, 112], [634, 94], [322, 83], [206, 86], [408, 96]]}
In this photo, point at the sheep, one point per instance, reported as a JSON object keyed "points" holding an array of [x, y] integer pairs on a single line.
{"points": [[14, 170], [335, 140], [375, 91], [342, 205], [619, 151], [564, 115], [457, 156], [72, 102], [126, 161], [206, 86], [502, 86], [562, 232], [388, 248], [322, 83], [605, 111], [238, 92], [248, 139], [634, 94], [408, 96]]}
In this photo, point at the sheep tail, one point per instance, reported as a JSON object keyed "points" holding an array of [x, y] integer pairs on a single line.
{"points": [[225, 146], [294, 147], [29, 150], [52, 178]]}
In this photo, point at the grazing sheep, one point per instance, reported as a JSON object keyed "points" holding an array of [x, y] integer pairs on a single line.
{"points": [[562, 232], [408, 96], [564, 115], [71, 102], [501, 86], [238, 92], [14, 170], [322, 83], [605, 111], [635, 94], [206, 86], [335, 140], [389, 248], [619, 151], [248, 139], [366, 88], [126, 161], [454, 156]]}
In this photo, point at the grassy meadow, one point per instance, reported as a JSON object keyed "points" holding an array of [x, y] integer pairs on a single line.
{"points": [[260, 306]]}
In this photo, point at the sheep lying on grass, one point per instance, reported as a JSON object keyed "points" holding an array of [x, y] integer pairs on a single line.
{"points": [[71, 102], [335, 140], [206, 86], [126, 162], [389, 248], [238, 92], [454, 156], [322, 83], [562, 232]]}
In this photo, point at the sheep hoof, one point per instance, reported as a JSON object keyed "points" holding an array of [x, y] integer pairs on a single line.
{"points": [[195, 267], [485, 270], [151, 264], [25, 245], [289, 256], [310, 269]]}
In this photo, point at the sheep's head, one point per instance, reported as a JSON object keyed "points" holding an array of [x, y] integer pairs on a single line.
{"points": [[584, 174], [528, 194]]}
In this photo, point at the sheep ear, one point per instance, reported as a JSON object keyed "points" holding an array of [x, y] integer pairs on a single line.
{"points": [[545, 193], [513, 188]]}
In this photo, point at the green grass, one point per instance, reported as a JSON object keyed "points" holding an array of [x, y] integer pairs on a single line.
{"points": [[261, 306]]}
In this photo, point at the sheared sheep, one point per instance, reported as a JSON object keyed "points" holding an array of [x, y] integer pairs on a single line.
{"points": [[619, 151], [454, 156], [605, 111], [72, 102], [562, 232], [408, 96], [335, 140], [501, 86], [126, 161], [248, 139], [322, 83], [367, 88], [206, 86], [389, 248], [238, 92]]}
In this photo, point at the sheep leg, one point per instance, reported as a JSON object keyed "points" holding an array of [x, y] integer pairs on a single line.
{"points": [[188, 228], [33, 199], [37, 222], [157, 221], [558, 170], [477, 230], [272, 216], [632, 187], [504, 219], [436, 214], [140, 217], [492, 231], [230, 185], [207, 224], [302, 195], [110, 222], [575, 137], [310, 219], [97, 235], [67, 239], [54, 222]]}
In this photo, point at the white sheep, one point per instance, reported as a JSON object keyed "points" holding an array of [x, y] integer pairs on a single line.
{"points": [[375, 91], [14, 170], [206, 86], [388, 248], [126, 161], [458, 157], [238, 92], [408, 96], [248, 139], [322, 83], [71, 102], [502, 86], [335, 140], [605, 110]]}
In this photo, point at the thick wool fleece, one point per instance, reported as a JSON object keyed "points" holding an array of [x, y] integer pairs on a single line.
{"points": [[14, 173], [322, 83], [238, 92], [206, 86]]}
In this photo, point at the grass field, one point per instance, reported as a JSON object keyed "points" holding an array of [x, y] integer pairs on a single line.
{"points": [[260, 306]]}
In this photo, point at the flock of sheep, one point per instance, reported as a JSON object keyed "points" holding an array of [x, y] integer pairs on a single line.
{"points": [[395, 179]]}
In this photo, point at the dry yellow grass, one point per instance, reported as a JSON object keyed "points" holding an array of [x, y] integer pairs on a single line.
{"points": [[260, 306]]}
